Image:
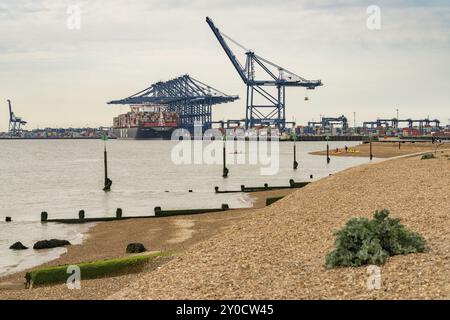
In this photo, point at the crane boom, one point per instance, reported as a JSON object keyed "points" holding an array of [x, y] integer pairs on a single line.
{"points": [[10, 111], [227, 50], [275, 77], [15, 123]]}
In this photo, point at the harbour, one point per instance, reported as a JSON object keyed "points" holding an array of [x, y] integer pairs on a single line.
{"points": [[224, 151]]}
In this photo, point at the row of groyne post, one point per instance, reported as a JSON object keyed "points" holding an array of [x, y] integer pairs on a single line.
{"points": [[225, 169], [159, 212]]}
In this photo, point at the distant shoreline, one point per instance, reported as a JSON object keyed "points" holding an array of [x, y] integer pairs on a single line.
{"points": [[299, 139], [68, 138]]}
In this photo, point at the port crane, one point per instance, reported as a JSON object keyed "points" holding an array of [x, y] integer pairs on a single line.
{"points": [[273, 111], [394, 122], [189, 97], [327, 121], [15, 123]]}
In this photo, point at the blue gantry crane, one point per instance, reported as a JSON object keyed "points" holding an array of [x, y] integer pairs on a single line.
{"points": [[190, 98], [394, 123], [15, 123], [328, 121], [272, 111]]}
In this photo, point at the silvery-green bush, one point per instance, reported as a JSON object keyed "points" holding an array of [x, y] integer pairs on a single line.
{"points": [[362, 241]]}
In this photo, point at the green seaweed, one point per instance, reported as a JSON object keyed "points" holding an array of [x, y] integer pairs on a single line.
{"points": [[92, 270]]}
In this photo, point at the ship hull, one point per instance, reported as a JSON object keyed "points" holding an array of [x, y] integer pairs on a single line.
{"points": [[143, 133]]}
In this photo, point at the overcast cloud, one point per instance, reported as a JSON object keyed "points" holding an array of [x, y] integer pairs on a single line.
{"points": [[61, 77]]}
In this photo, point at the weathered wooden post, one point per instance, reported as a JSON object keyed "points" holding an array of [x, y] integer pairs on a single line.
{"points": [[108, 182], [44, 216], [328, 150], [225, 169], [294, 136], [292, 183], [119, 213], [295, 157], [105, 157], [81, 215], [371, 154]]}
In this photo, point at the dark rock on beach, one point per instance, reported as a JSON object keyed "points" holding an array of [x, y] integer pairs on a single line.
{"points": [[136, 248], [18, 246], [49, 244]]}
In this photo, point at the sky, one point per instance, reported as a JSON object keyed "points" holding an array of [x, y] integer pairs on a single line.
{"points": [[61, 77]]}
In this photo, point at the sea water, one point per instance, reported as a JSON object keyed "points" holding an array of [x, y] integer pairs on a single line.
{"points": [[62, 177]]}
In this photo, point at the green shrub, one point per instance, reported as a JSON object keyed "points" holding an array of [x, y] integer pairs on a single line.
{"points": [[363, 241], [428, 156]]}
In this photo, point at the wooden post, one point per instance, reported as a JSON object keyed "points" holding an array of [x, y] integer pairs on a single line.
{"points": [[295, 157], [225, 169], [328, 153], [108, 182], [44, 216], [328, 150], [105, 156], [371, 154]]}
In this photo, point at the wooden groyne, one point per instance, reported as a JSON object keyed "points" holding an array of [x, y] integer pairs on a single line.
{"points": [[158, 213], [166, 213], [266, 187], [332, 138]]}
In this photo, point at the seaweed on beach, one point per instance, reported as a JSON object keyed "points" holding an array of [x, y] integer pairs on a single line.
{"points": [[362, 241], [92, 270], [428, 156]]}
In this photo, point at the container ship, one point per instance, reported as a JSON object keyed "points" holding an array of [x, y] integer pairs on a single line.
{"points": [[146, 122]]}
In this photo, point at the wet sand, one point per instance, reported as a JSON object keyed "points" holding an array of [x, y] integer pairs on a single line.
{"points": [[108, 240]]}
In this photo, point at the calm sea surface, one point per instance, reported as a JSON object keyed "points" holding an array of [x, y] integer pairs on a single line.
{"points": [[64, 176]]}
